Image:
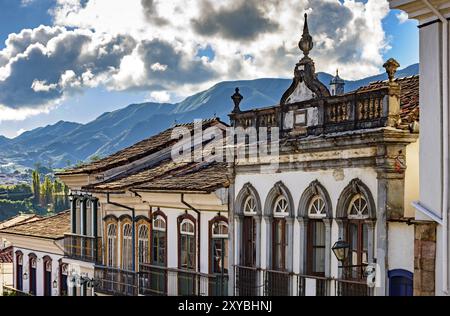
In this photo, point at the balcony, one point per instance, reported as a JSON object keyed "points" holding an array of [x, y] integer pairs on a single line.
{"points": [[313, 286], [116, 282], [82, 248], [280, 283], [160, 281], [277, 283], [246, 281]]}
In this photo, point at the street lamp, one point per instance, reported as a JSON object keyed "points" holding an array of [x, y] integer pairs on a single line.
{"points": [[25, 276], [55, 284], [341, 250]]}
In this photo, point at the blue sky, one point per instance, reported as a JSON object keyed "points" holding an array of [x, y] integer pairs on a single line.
{"points": [[82, 100]]}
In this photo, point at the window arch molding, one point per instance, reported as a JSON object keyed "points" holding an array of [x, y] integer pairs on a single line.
{"points": [[187, 218], [355, 187], [247, 191], [279, 190], [153, 230], [314, 189]]}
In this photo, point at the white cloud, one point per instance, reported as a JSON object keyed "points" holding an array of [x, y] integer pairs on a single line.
{"points": [[20, 131], [26, 3], [160, 96], [402, 17], [153, 45]]}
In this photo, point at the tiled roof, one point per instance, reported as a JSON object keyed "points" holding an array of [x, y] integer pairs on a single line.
{"points": [[202, 178], [53, 227], [6, 255], [169, 176], [137, 151], [409, 98], [19, 219]]}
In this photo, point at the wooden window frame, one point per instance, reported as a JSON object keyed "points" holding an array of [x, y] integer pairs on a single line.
{"points": [[45, 261], [283, 244], [311, 248], [245, 242], [60, 277], [31, 279], [360, 245], [143, 223], [111, 221], [124, 223], [19, 255]]}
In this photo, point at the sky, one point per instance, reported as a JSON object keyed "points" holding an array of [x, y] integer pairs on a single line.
{"points": [[73, 60]]}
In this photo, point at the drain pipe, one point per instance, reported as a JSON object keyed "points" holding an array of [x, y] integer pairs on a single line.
{"points": [[199, 229], [133, 228], [445, 140]]}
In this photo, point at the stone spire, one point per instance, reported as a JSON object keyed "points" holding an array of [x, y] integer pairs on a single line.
{"points": [[305, 85], [306, 43]]}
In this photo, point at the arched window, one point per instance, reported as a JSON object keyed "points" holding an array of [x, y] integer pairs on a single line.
{"points": [[144, 244], [159, 240], [358, 236], [357, 211], [47, 276], [249, 233], [127, 247], [19, 270], [63, 275], [279, 238], [112, 245], [32, 269], [187, 244], [219, 255], [316, 237]]}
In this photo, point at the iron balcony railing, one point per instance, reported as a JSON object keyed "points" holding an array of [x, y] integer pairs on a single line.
{"points": [[83, 248], [352, 288], [313, 285], [277, 283], [115, 282], [247, 281], [160, 281]]}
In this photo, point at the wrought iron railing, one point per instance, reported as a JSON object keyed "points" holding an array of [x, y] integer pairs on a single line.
{"points": [[160, 281], [116, 282], [247, 281], [277, 283], [352, 288], [313, 285], [88, 249]]}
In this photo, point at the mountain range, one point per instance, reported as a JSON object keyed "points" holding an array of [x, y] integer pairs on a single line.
{"points": [[66, 143]]}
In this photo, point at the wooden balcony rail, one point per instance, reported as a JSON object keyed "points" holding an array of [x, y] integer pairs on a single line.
{"points": [[83, 248], [247, 281], [277, 283], [116, 282], [9, 291], [313, 285], [160, 281]]}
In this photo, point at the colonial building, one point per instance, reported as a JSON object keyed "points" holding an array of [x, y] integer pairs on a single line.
{"points": [[432, 274], [347, 175], [37, 254], [143, 224]]}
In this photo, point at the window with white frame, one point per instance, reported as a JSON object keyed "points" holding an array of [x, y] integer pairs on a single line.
{"points": [[144, 244], [358, 209], [279, 238], [127, 247], [250, 207], [187, 245], [317, 208], [159, 241], [112, 240], [219, 244]]}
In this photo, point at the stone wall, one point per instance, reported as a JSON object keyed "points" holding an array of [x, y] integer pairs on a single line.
{"points": [[425, 259]]}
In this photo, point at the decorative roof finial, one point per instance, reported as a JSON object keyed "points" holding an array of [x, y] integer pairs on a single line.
{"points": [[306, 43], [391, 67], [237, 99], [337, 72]]}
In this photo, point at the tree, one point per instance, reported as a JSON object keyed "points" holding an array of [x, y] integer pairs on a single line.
{"points": [[47, 192], [36, 187]]}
